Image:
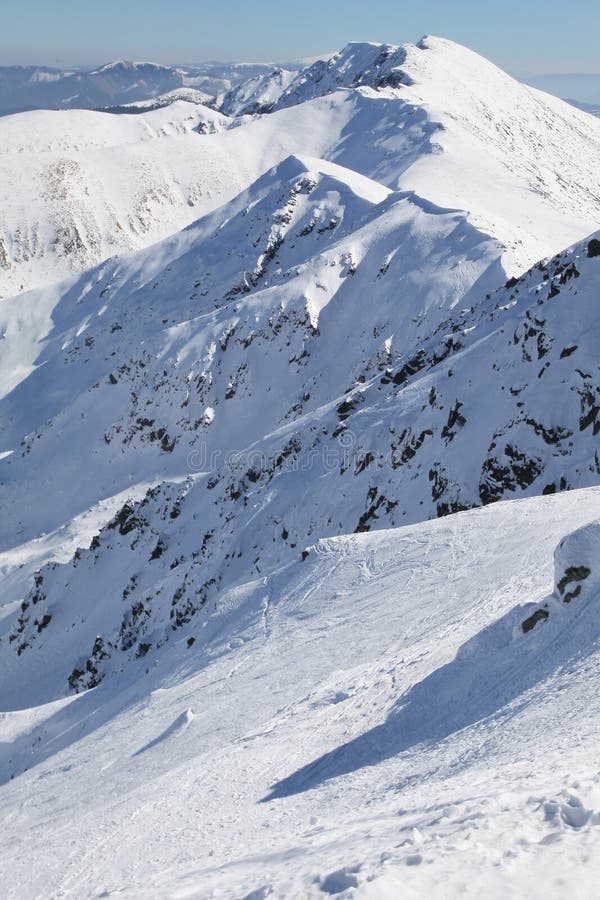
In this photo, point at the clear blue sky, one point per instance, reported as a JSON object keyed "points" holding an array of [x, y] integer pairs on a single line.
{"points": [[523, 36]]}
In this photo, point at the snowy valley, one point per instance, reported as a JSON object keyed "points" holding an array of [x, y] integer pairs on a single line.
{"points": [[300, 488]]}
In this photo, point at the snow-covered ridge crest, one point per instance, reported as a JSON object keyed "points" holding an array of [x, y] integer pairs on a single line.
{"points": [[375, 415], [256, 95], [129, 65], [486, 125], [187, 94], [456, 131], [358, 65]]}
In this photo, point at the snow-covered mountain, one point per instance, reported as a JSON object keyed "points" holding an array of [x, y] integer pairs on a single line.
{"points": [[357, 65], [456, 130], [256, 562], [116, 83], [375, 415], [255, 95], [187, 94]]}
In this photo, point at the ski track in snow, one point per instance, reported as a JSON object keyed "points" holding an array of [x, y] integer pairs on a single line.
{"points": [[492, 797]]}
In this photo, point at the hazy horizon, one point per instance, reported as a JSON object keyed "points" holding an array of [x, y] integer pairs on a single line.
{"points": [[524, 41]]}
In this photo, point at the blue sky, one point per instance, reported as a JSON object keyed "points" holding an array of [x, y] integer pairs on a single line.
{"points": [[523, 36]]}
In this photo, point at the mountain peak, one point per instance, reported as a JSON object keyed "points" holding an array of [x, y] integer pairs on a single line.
{"points": [[358, 64], [126, 65]]}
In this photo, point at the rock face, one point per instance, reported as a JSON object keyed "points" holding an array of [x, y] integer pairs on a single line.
{"points": [[576, 566], [282, 402], [593, 248]]}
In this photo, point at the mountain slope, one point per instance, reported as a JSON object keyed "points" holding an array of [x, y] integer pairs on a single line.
{"points": [[309, 236], [454, 129], [383, 700], [256, 95], [187, 94], [592, 108], [94, 184], [376, 416], [496, 137], [214, 681]]}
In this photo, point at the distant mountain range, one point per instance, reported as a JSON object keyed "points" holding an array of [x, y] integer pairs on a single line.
{"points": [[592, 108], [39, 87], [583, 88]]}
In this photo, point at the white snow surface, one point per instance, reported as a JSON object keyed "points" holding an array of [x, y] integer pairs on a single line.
{"points": [[188, 94], [300, 532], [256, 95], [433, 118], [372, 722]]}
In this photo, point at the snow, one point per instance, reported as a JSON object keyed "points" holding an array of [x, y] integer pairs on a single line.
{"points": [[255, 95], [300, 535], [435, 119], [374, 413], [334, 698], [113, 309], [187, 94]]}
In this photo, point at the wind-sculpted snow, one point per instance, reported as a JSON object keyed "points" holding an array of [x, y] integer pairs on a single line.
{"points": [[576, 577], [298, 405]]}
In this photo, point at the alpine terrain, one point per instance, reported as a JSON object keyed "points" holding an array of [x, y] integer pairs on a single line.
{"points": [[300, 487]]}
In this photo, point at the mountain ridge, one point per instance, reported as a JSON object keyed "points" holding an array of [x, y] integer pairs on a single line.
{"points": [[396, 429], [524, 165], [299, 549]]}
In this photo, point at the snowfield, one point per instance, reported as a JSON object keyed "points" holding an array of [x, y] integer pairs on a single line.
{"points": [[368, 721], [299, 480], [432, 118]]}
